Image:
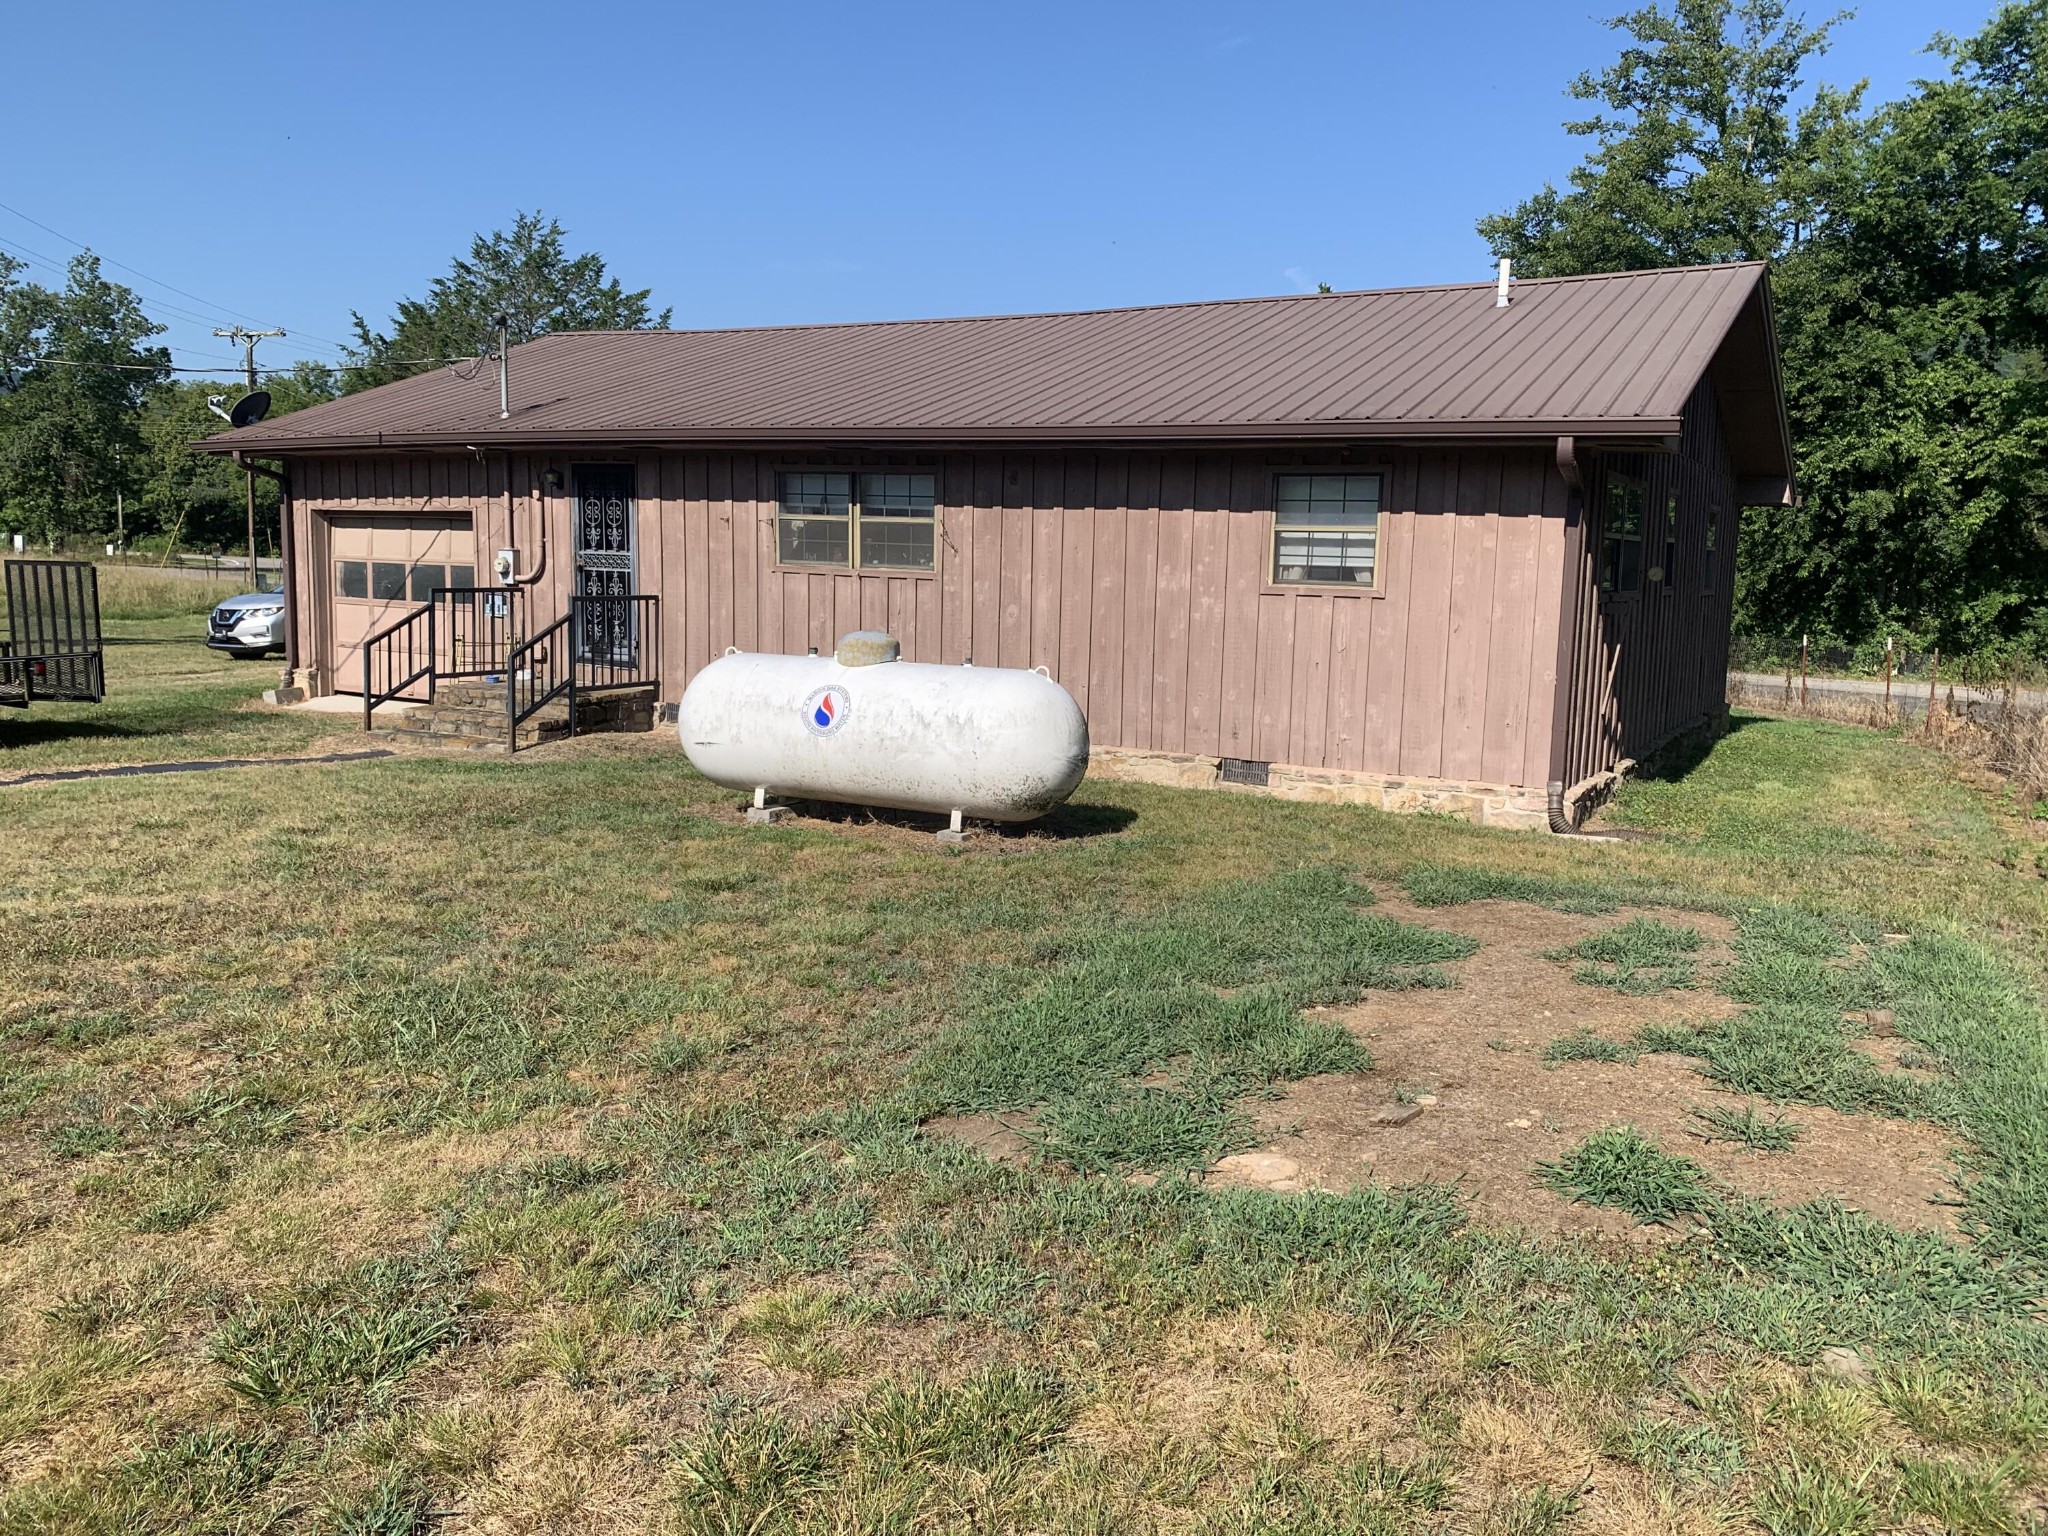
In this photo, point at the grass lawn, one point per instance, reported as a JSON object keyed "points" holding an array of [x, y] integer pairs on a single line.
{"points": [[169, 699], [472, 1145]]}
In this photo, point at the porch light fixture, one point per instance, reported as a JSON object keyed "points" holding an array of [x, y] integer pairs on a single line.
{"points": [[551, 479]]}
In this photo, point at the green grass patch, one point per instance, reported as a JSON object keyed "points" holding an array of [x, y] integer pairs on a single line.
{"points": [[1622, 1168], [1640, 957], [1451, 885], [1748, 1126], [1584, 1045], [1209, 993], [903, 1458], [320, 1348]]}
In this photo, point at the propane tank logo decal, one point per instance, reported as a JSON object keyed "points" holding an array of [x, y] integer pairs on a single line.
{"points": [[825, 711]]}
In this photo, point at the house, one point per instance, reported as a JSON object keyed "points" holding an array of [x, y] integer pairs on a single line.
{"points": [[1466, 547]]}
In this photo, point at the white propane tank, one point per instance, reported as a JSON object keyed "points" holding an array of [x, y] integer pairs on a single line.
{"points": [[863, 727]]}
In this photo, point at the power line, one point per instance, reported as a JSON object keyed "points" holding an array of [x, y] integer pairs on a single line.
{"points": [[39, 259], [268, 373], [218, 309]]}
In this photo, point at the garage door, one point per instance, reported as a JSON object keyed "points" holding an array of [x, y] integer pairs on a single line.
{"points": [[381, 568]]}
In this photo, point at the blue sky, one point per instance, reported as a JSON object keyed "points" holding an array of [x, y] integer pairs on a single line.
{"points": [[768, 163]]}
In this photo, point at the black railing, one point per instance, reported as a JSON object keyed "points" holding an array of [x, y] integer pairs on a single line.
{"points": [[476, 629], [602, 642], [536, 674], [616, 640], [396, 657]]}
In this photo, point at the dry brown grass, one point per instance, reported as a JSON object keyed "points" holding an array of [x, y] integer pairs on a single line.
{"points": [[2002, 739]]}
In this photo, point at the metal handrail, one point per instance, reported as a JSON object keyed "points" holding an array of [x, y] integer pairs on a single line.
{"points": [[403, 636], [477, 628], [536, 674], [601, 642], [616, 638]]}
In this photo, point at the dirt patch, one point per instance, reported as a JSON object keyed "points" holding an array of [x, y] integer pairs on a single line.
{"points": [[1492, 1108], [1460, 1093], [1899, 1056], [1000, 1141]]}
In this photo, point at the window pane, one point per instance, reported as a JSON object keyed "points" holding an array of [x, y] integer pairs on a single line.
{"points": [[817, 492], [1624, 508], [461, 575], [387, 580], [425, 578], [813, 540], [1631, 574], [1327, 500], [352, 578], [899, 545], [898, 496], [1344, 555]]}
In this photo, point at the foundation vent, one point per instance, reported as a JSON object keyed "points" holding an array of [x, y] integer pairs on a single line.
{"points": [[1245, 770]]}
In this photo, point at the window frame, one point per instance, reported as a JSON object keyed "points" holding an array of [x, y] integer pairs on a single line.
{"points": [[1710, 552], [1669, 583], [1641, 481], [1383, 472], [852, 565]]}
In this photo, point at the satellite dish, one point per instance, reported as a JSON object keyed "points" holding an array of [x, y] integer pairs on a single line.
{"points": [[250, 408]]}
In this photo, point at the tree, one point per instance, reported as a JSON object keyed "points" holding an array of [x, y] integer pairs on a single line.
{"points": [[79, 371], [306, 383], [1909, 280], [1914, 327], [525, 274], [195, 498], [1701, 155]]}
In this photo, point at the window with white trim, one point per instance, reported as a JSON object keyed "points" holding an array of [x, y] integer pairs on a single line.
{"points": [[1326, 530], [887, 520]]}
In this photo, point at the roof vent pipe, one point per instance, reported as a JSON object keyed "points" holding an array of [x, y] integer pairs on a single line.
{"points": [[503, 324], [1500, 292]]}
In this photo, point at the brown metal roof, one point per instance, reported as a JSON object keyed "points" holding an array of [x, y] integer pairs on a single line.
{"points": [[1599, 356]]}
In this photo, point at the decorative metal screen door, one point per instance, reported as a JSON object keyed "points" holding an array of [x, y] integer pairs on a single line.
{"points": [[604, 563]]}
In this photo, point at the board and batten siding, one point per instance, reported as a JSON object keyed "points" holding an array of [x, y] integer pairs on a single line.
{"points": [[1140, 580], [1651, 666]]}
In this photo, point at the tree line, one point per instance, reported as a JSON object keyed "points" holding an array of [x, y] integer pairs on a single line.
{"points": [[1910, 275], [93, 417]]}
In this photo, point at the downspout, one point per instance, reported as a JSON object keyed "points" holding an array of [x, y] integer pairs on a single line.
{"points": [[1567, 636], [288, 586]]}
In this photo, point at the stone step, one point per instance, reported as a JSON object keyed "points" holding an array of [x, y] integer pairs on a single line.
{"points": [[472, 714], [468, 713]]}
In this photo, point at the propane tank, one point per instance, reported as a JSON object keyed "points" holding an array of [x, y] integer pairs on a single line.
{"points": [[864, 727]]}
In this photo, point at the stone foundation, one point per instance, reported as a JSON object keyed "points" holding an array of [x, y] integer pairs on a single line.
{"points": [[1490, 805]]}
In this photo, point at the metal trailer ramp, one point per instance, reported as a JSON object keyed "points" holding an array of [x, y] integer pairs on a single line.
{"points": [[54, 649]]}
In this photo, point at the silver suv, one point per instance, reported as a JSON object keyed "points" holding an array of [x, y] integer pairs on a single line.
{"points": [[248, 625]]}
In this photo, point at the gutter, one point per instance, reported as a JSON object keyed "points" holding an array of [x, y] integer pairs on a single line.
{"points": [[1641, 433], [1557, 801]]}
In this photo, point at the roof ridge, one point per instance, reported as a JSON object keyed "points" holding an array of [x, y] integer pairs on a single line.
{"points": [[1146, 309]]}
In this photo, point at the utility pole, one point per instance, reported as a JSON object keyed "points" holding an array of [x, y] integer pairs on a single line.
{"points": [[247, 340]]}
